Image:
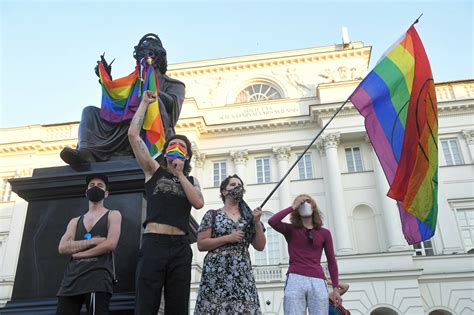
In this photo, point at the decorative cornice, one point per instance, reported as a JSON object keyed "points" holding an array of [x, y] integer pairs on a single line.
{"points": [[266, 61], [447, 108], [282, 153], [240, 157], [325, 111], [455, 107]]}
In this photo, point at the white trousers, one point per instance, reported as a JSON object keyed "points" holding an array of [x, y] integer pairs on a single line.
{"points": [[302, 292]]}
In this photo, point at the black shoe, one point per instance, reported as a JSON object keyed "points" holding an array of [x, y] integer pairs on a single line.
{"points": [[74, 157]]}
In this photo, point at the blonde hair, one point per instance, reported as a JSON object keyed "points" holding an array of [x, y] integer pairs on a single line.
{"points": [[295, 217]]}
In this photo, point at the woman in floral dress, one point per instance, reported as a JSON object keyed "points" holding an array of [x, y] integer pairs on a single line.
{"points": [[227, 282]]}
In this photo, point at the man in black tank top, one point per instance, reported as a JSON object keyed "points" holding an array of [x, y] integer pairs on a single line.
{"points": [[90, 240], [165, 255]]}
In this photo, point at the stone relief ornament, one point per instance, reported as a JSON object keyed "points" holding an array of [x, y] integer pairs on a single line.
{"points": [[331, 140], [327, 75], [282, 153], [198, 157], [240, 156], [469, 136], [295, 80], [342, 71]]}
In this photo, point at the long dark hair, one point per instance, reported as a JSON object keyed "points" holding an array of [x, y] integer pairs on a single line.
{"points": [[244, 208], [187, 163], [225, 182]]}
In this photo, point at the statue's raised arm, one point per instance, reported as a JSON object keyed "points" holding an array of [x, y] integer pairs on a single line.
{"points": [[101, 138]]}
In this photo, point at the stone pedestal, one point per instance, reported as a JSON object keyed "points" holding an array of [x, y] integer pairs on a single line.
{"points": [[56, 195]]}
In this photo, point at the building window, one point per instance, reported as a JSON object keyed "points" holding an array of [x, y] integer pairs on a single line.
{"points": [[263, 170], [305, 167], [5, 190], [466, 224], [220, 172], [354, 160], [271, 254], [258, 92], [383, 311], [3, 241], [451, 152], [423, 248]]}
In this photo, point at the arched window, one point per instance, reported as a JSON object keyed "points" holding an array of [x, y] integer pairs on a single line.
{"points": [[383, 311], [271, 254], [439, 312], [257, 92]]}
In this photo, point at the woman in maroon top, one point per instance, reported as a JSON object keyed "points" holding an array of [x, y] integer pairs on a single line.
{"points": [[305, 286]]}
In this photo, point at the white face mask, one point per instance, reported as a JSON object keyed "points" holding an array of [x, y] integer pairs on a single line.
{"points": [[305, 210]]}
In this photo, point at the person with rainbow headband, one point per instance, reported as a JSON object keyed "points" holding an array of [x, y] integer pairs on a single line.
{"points": [[165, 255]]}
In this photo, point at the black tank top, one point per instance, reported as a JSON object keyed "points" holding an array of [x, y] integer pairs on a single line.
{"points": [[93, 274], [166, 201]]}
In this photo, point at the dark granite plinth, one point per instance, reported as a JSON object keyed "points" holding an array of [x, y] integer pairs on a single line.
{"points": [[55, 195]]}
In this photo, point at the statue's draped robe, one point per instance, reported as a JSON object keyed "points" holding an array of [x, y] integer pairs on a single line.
{"points": [[105, 139]]}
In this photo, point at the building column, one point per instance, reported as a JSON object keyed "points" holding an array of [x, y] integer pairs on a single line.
{"points": [[341, 232], [389, 209], [469, 137], [240, 161], [198, 163], [282, 155], [198, 166], [284, 192]]}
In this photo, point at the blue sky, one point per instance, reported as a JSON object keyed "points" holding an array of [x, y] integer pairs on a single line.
{"points": [[49, 48]]}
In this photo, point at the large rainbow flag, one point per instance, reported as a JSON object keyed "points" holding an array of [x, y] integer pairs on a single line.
{"points": [[398, 100], [121, 97]]}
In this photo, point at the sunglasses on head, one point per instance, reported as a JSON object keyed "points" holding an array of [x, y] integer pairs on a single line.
{"points": [[309, 236]]}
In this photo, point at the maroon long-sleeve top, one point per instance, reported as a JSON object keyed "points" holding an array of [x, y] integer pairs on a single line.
{"points": [[305, 257]]}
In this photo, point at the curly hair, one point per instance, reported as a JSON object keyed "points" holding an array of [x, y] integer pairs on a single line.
{"points": [[187, 164], [295, 217], [225, 182], [152, 43]]}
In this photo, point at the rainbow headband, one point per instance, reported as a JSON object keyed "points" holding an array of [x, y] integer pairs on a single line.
{"points": [[176, 151]]}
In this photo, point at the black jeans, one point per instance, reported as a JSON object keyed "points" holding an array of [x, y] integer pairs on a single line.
{"points": [[163, 261], [96, 303]]}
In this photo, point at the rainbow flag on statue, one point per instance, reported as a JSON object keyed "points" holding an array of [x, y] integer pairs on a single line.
{"points": [[121, 97], [398, 100]]}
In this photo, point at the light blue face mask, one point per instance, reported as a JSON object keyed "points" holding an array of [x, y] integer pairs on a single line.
{"points": [[305, 210]]}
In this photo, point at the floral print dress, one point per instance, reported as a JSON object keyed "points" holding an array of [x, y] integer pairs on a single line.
{"points": [[227, 282]]}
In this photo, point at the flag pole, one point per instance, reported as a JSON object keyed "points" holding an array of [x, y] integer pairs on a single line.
{"points": [[417, 20], [311, 143], [305, 150]]}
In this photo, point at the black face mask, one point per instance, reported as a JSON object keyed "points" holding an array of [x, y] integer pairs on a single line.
{"points": [[95, 194], [236, 193]]}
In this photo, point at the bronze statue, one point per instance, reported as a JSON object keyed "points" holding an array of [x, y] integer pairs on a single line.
{"points": [[100, 140]]}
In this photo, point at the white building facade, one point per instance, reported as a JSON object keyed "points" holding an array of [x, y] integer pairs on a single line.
{"points": [[254, 116]]}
